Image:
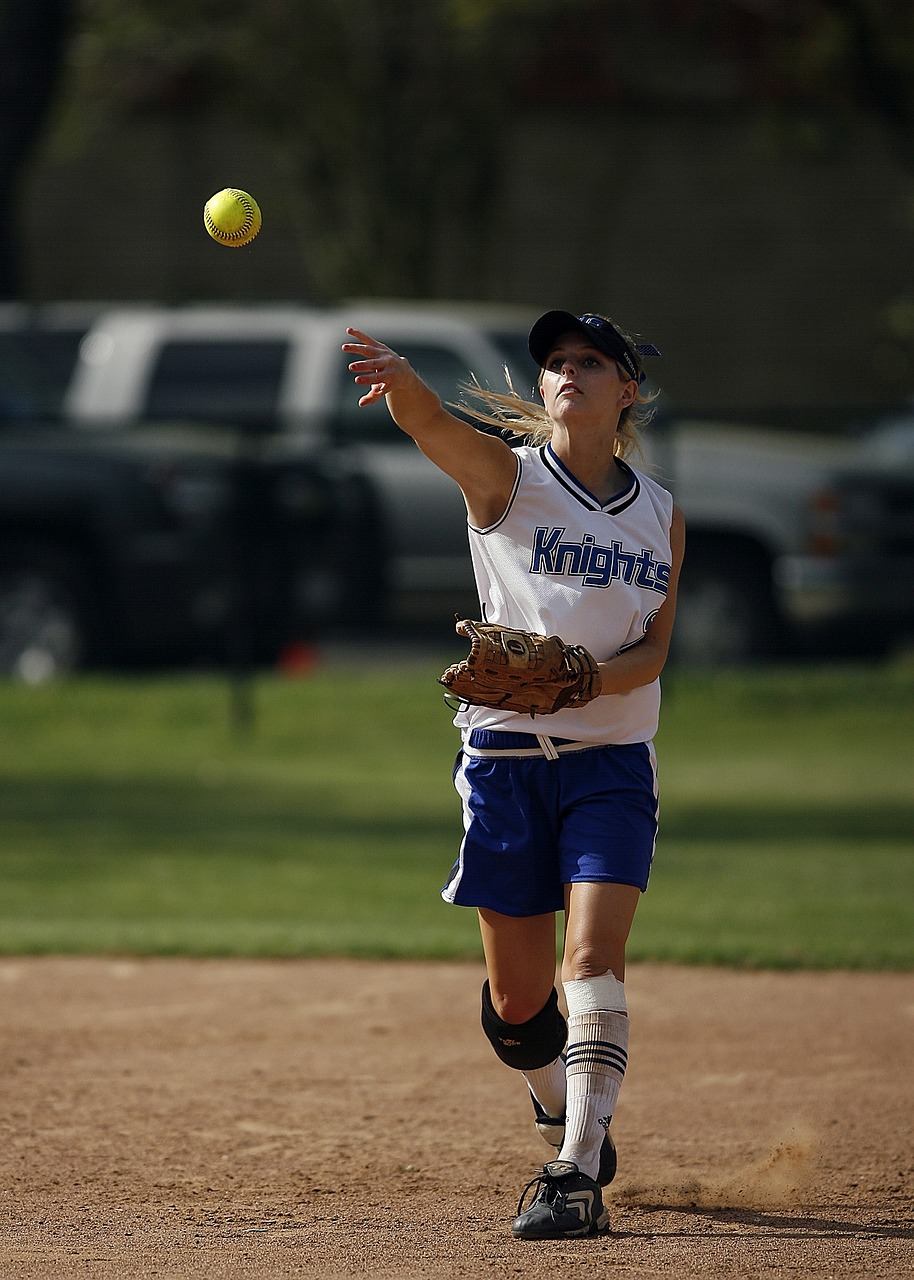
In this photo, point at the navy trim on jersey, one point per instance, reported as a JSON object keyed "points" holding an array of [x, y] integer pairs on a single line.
{"points": [[619, 502]]}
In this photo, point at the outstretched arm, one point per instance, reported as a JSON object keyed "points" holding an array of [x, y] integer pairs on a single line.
{"points": [[483, 466]]}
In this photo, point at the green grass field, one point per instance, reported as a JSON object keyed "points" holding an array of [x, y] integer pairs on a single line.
{"points": [[133, 818]]}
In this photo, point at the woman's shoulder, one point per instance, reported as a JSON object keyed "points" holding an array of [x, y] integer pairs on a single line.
{"points": [[647, 476], [653, 490]]}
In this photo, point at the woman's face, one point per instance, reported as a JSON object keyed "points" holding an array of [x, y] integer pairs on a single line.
{"points": [[580, 379]]}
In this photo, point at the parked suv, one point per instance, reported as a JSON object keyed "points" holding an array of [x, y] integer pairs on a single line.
{"points": [[781, 552]]}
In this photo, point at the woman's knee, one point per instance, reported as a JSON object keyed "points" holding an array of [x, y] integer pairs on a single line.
{"points": [[588, 959], [529, 1043], [520, 963], [598, 921], [516, 1006]]}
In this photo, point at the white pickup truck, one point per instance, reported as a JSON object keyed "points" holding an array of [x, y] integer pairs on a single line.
{"points": [[280, 374], [779, 549]]}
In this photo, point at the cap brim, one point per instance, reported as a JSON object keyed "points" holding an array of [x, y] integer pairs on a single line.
{"points": [[547, 330]]}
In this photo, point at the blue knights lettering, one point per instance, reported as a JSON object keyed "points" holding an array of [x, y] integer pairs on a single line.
{"points": [[597, 566]]}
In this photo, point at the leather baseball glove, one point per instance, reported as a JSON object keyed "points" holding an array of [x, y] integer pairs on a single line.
{"points": [[521, 671]]}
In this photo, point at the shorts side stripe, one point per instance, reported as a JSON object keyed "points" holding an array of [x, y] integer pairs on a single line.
{"points": [[462, 786]]}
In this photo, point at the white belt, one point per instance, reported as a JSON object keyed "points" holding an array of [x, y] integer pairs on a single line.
{"points": [[547, 748]]}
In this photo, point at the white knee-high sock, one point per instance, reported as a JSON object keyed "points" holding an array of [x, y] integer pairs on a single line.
{"points": [[547, 1084], [595, 1062]]}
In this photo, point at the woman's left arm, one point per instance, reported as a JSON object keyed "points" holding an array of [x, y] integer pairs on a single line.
{"points": [[643, 662]]}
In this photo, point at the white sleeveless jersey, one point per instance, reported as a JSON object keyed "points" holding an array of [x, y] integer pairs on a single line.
{"points": [[561, 563]]}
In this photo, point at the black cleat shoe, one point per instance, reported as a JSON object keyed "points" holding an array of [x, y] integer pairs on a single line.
{"points": [[565, 1204], [552, 1130]]}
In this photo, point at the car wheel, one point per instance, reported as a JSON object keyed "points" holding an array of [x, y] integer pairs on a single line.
{"points": [[724, 614], [42, 631]]}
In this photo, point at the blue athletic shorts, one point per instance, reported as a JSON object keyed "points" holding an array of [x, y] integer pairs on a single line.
{"points": [[533, 825]]}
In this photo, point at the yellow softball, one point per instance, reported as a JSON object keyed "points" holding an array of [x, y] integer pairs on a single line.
{"points": [[232, 217]]}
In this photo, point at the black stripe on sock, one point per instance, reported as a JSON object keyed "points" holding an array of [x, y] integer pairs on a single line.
{"points": [[596, 1052]]}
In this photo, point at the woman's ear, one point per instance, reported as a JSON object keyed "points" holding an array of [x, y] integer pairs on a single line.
{"points": [[629, 391]]}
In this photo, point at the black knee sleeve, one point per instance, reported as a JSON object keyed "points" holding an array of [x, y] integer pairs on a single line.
{"points": [[525, 1046]]}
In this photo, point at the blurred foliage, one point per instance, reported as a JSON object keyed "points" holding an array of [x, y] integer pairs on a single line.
{"points": [[32, 41], [841, 55], [386, 119], [390, 118]]}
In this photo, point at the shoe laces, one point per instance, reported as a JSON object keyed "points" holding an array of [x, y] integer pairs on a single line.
{"points": [[544, 1187]]}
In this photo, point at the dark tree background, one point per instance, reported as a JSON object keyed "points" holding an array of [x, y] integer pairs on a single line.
{"points": [[33, 36], [388, 118]]}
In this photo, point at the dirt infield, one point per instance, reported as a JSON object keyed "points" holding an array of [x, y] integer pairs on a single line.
{"points": [[174, 1118]]}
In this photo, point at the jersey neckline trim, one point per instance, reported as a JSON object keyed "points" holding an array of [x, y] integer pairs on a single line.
{"points": [[617, 503]]}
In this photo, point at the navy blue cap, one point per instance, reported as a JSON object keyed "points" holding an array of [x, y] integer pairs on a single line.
{"points": [[601, 332]]}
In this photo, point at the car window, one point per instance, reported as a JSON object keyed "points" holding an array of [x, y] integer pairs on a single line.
{"points": [[221, 381], [892, 440], [523, 368], [441, 368], [35, 369]]}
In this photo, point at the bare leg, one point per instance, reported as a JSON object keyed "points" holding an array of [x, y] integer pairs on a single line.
{"points": [[598, 921], [520, 962]]}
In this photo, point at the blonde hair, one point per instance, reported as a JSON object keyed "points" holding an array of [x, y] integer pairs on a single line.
{"points": [[526, 420]]}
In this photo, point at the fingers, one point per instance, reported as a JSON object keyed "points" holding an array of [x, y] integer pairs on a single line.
{"points": [[364, 339], [378, 392], [366, 346], [373, 354], [377, 368], [372, 373]]}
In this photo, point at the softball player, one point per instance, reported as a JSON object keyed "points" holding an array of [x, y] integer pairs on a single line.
{"points": [[560, 812]]}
